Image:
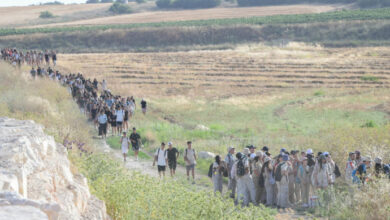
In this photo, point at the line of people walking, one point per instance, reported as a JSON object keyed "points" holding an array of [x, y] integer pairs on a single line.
{"points": [[32, 57]]}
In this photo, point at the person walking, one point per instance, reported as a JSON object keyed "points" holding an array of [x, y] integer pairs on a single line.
{"points": [[190, 159], [143, 106], [245, 188], [173, 154], [125, 145], [269, 181], [217, 176], [120, 114], [161, 157], [350, 167], [321, 173], [135, 139], [229, 160], [102, 120], [303, 174], [283, 190], [257, 164]]}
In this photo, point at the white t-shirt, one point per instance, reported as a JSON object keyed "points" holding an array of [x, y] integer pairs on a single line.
{"points": [[119, 115], [190, 153], [161, 157]]}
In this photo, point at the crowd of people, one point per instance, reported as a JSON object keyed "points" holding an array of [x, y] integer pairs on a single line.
{"points": [[287, 179], [33, 57]]}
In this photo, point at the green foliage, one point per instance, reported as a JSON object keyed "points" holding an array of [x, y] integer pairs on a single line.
{"points": [[319, 93], [369, 124], [92, 1], [369, 78], [52, 3], [370, 14], [107, 1], [46, 14], [120, 8], [188, 4], [361, 3]]}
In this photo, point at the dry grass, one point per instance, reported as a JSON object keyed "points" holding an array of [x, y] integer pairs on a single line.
{"points": [[246, 71], [13, 16], [201, 14]]}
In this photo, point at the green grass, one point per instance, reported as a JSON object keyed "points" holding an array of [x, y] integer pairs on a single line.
{"points": [[369, 14], [114, 143], [369, 78]]}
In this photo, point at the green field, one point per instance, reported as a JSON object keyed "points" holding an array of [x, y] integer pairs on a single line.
{"points": [[345, 15]]}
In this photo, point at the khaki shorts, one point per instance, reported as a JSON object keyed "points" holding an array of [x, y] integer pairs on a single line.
{"points": [[190, 167]]}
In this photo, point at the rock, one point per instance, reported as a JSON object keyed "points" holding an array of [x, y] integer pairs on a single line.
{"points": [[206, 155], [36, 180], [202, 128]]}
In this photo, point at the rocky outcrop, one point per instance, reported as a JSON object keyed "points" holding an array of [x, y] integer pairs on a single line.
{"points": [[36, 181]]}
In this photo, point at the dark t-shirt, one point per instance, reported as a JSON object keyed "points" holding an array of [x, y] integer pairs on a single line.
{"points": [[172, 154], [134, 138], [143, 104]]}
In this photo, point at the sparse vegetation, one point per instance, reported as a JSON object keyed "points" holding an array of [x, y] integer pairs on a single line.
{"points": [[52, 3], [46, 14], [369, 78]]}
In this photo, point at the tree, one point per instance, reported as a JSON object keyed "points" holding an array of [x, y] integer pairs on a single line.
{"points": [[46, 14], [107, 1], [92, 1], [120, 8]]}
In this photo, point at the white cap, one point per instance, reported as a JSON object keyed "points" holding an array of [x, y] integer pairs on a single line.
{"points": [[169, 143], [309, 151]]}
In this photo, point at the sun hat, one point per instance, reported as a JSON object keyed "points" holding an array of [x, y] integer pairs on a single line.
{"points": [[378, 160], [245, 151], [230, 148], [259, 153]]}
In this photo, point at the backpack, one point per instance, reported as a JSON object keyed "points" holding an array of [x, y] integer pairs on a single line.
{"points": [[337, 171], [261, 180], [278, 173], [158, 153], [241, 167], [225, 172], [210, 174]]}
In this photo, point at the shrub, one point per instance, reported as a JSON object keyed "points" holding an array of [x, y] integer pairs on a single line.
{"points": [[92, 1], [52, 3], [46, 14], [120, 8], [187, 4]]}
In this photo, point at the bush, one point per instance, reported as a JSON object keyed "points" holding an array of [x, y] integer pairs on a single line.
{"points": [[46, 14], [92, 1], [52, 3], [187, 4], [120, 8], [107, 1]]}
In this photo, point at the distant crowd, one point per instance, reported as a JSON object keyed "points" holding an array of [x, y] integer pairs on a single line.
{"points": [[290, 178], [32, 57]]}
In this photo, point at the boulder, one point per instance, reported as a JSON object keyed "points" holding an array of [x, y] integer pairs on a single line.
{"points": [[35, 177], [206, 155]]}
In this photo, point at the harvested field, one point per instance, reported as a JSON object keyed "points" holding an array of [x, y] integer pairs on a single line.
{"points": [[245, 71], [201, 14], [13, 16]]}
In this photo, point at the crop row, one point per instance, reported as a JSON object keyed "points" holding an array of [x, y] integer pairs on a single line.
{"points": [[370, 14]]}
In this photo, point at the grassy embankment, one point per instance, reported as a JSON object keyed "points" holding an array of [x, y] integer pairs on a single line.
{"points": [[341, 28], [127, 194]]}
